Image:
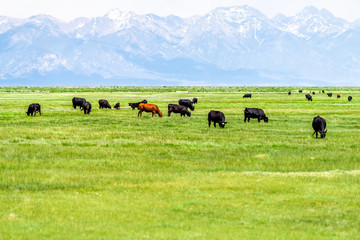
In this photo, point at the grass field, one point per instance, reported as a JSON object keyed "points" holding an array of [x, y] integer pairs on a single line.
{"points": [[112, 175]]}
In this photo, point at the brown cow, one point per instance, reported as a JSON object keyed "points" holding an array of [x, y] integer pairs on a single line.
{"points": [[117, 105], [148, 107], [338, 95]]}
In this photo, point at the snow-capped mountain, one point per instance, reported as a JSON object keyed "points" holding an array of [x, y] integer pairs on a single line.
{"points": [[227, 46]]}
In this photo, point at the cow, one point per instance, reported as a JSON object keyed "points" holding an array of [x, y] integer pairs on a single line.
{"points": [[195, 100], [255, 113], [187, 103], [247, 95], [308, 97], [86, 108], [329, 94], [117, 105], [300, 91], [338, 95], [136, 105], [349, 98], [148, 107], [78, 102], [323, 91], [313, 93], [104, 104], [216, 117], [33, 108], [319, 125], [289, 93], [178, 109]]}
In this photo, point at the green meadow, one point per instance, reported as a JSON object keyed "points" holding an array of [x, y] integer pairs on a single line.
{"points": [[113, 175]]}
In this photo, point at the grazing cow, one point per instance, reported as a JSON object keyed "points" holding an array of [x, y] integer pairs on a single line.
{"points": [[323, 91], [136, 105], [216, 117], [338, 95], [78, 102], [86, 108], [178, 109], [33, 108], [117, 105], [329, 94], [148, 107], [349, 98], [187, 103], [195, 100], [255, 113], [313, 93], [300, 91], [104, 104], [247, 95], [289, 93], [308, 97], [319, 125]]}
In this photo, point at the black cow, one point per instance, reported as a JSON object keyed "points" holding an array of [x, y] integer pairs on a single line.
{"points": [[349, 98], [195, 100], [78, 102], [178, 109], [308, 97], [255, 113], [313, 93], [136, 105], [247, 96], [323, 91], [104, 104], [289, 93], [319, 125], [33, 108], [329, 94], [187, 103], [216, 117], [86, 108], [300, 91]]}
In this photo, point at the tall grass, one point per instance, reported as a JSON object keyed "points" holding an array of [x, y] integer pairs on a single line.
{"points": [[112, 175]]}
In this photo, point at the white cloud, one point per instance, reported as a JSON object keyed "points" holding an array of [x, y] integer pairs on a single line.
{"points": [[70, 9]]}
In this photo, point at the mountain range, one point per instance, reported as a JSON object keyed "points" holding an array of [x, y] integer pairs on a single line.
{"points": [[228, 46]]}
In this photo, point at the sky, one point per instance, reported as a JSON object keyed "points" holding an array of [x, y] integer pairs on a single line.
{"points": [[68, 10]]}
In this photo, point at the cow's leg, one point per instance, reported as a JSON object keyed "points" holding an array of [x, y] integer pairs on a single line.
{"points": [[316, 134], [40, 112], [215, 124], [245, 119], [139, 113], [259, 119], [209, 123], [248, 119], [169, 112]]}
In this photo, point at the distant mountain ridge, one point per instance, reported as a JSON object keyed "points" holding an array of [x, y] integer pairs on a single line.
{"points": [[228, 46]]}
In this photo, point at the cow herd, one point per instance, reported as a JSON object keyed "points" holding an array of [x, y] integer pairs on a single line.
{"points": [[217, 117], [309, 97]]}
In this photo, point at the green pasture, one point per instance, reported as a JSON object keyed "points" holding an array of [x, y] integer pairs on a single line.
{"points": [[113, 175]]}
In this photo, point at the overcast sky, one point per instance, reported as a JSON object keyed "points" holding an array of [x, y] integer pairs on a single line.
{"points": [[70, 9]]}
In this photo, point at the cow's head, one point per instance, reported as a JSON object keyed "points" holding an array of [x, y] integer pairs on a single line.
{"points": [[192, 107], [266, 119], [323, 134], [222, 124], [28, 113], [188, 113]]}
